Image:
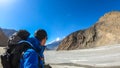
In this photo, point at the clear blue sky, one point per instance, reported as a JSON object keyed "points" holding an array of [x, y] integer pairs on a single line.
{"points": [[58, 17]]}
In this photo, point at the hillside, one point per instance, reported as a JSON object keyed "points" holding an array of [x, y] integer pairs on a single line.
{"points": [[8, 32], [3, 38], [104, 32], [53, 45]]}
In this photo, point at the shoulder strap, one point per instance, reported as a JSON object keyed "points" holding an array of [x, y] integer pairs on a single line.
{"points": [[24, 41], [30, 45]]}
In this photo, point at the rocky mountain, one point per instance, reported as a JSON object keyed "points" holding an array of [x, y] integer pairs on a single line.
{"points": [[3, 38], [105, 32], [8, 32], [53, 45]]}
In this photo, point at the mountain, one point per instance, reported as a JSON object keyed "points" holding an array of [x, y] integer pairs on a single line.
{"points": [[105, 32], [53, 45], [3, 38], [9, 32], [4, 34]]}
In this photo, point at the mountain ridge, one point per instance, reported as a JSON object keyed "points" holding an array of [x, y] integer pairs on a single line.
{"points": [[8, 32], [53, 45], [104, 32]]}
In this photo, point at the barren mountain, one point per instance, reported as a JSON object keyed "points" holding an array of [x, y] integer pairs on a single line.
{"points": [[53, 45], [8, 32], [105, 32], [3, 38]]}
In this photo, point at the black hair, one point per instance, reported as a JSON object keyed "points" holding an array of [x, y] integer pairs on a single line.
{"points": [[40, 34], [23, 34]]}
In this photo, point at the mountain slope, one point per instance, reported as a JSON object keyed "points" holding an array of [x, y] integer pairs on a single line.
{"points": [[3, 38], [104, 32], [8, 32], [53, 45]]}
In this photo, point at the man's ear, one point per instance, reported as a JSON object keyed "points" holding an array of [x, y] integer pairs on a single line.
{"points": [[43, 41]]}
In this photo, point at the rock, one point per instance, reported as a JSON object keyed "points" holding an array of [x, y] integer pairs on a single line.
{"points": [[105, 32], [47, 66]]}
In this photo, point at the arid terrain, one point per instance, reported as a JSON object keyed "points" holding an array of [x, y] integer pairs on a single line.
{"points": [[100, 57]]}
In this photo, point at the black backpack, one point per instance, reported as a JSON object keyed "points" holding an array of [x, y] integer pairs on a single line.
{"points": [[11, 58]]}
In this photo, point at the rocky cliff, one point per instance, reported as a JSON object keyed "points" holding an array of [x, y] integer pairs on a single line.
{"points": [[105, 32], [3, 38]]}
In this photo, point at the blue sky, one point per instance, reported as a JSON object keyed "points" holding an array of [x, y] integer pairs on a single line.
{"points": [[58, 17]]}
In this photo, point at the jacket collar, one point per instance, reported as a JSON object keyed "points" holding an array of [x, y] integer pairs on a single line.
{"points": [[35, 43]]}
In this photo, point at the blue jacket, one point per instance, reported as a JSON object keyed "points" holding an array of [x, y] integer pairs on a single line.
{"points": [[30, 57]]}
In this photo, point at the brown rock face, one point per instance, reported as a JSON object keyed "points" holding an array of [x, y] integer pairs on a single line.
{"points": [[3, 38], [105, 32]]}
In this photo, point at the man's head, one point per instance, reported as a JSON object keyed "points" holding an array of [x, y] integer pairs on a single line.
{"points": [[18, 36], [41, 35], [23, 34]]}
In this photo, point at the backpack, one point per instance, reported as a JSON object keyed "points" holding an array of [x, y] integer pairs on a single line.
{"points": [[14, 51], [11, 58]]}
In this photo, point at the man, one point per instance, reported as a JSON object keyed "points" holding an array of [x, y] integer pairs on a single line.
{"points": [[10, 58], [33, 58]]}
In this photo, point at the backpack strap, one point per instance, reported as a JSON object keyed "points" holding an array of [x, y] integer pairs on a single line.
{"points": [[24, 41], [30, 45]]}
